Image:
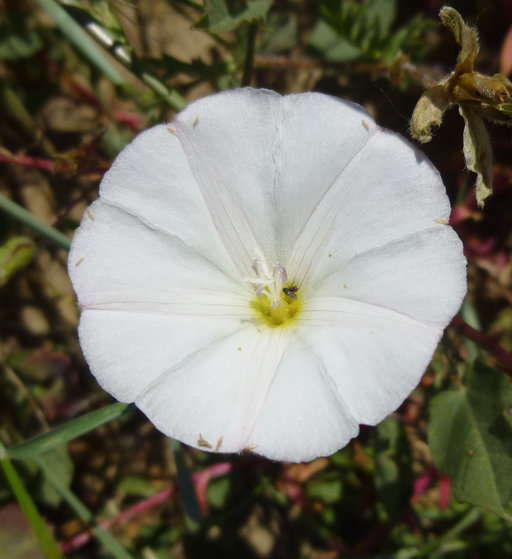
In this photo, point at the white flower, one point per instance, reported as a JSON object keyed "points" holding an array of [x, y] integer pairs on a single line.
{"points": [[266, 273]]}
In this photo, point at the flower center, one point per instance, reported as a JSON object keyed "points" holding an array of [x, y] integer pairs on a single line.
{"points": [[277, 300]]}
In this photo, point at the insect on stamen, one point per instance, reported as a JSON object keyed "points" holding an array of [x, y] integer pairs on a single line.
{"points": [[291, 291]]}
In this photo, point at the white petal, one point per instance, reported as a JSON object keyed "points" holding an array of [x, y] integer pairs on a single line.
{"points": [[217, 392], [117, 261], [127, 351], [387, 192], [264, 173], [304, 415], [152, 180], [374, 356], [228, 140], [319, 135], [422, 276]]}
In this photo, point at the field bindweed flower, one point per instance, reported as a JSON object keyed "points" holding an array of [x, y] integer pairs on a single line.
{"points": [[266, 273]]}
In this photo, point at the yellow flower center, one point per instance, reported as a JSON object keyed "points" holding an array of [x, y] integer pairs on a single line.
{"points": [[282, 315]]}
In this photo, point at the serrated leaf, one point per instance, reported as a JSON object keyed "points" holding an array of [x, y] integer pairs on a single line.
{"points": [[393, 466], [470, 437], [14, 255], [226, 15]]}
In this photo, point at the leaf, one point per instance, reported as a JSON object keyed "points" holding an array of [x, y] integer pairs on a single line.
{"points": [[115, 549], [59, 461], [41, 530], [327, 490], [66, 432], [14, 255], [477, 152], [393, 466], [226, 15], [470, 437], [382, 13], [16, 41], [332, 45]]}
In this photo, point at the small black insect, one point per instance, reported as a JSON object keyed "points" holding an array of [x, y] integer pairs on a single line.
{"points": [[291, 291]]}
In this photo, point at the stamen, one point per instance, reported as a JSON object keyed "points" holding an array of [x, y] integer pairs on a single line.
{"points": [[267, 283]]}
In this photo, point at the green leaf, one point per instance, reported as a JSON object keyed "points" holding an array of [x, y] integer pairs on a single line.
{"points": [[41, 530], [217, 491], [327, 490], [14, 255], [332, 45], [226, 15], [106, 538], [16, 41], [470, 437], [382, 13], [393, 472], [505, 108], [185, 483], [59, 461], [66, 432]]}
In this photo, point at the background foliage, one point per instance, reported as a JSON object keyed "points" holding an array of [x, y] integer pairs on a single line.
{"points": [[86, 477]]}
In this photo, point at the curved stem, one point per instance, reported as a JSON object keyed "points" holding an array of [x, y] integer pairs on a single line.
{"points": [[485, 342], [23, 215]]}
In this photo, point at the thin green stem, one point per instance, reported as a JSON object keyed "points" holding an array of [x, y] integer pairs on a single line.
{"points": [[23, 215], [463, 524], [106, 538], [79, 38], [185, 483], [119, 51], [249, 54], [38, 525]]}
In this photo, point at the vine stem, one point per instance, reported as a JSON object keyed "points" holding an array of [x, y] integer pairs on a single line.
{"points": [[485, 342], [23, 215]]}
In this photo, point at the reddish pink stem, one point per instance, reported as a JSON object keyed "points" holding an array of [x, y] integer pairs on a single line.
{"points": [[27, 161], [200, 479], [484, 341]]}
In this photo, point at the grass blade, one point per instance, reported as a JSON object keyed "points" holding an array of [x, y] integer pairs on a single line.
{"points": [[48, 544], [64, 433], [185, 482], [106, 538]]}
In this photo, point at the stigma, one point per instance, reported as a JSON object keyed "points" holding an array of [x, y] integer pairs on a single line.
{"points": [[277, 301]]}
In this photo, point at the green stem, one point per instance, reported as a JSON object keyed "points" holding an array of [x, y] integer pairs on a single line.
{"points": [[249, 54], [79, 38], [23, 215], [464, 523], [38, 525], [185, 483], [119, 51], [106, 538]]}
